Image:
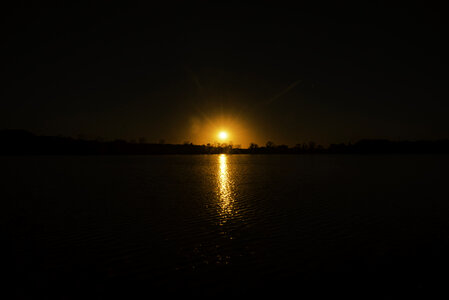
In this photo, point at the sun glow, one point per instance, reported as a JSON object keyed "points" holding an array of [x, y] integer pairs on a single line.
{"points": [[213, 129], [222, 135]]}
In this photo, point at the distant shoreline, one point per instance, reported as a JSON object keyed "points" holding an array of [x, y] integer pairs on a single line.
{"points": [[21, 142]]}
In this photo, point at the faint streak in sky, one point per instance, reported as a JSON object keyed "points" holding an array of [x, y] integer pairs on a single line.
{"points": [[283, 92], [194, 78]]}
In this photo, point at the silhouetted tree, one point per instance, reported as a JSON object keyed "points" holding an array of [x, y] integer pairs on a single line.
{"points": [[253, 146], [19, 142], [297, 148], [311, 146], [270, 144], [304, 147], [282, 148]]}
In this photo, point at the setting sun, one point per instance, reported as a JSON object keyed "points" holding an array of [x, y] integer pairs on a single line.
{"points": [[222, 135]]}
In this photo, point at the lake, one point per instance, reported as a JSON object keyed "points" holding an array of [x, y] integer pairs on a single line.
{"points": [[96, 226]]}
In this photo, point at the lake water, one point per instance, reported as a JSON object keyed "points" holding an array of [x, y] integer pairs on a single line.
{"points": [[81, 227]]}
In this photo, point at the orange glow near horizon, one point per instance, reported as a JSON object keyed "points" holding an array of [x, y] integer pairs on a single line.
{"points": [[229, 129]]}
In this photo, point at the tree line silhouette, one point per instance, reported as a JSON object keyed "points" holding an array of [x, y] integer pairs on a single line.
{"points": [[21, 142]]}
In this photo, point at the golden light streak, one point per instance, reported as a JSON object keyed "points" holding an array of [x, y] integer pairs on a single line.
{"points": [[226, 201]]}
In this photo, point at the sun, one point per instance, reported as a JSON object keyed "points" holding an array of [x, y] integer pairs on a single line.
{"points": [[222, 135]]}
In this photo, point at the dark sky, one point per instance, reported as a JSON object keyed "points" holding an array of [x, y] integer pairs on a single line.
{"points": [[263, 72]]}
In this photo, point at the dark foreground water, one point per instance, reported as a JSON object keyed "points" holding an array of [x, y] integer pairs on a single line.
{"points": [[96, 227]]}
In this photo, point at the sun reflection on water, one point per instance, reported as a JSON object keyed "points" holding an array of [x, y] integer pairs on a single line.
{"points": [[226, 202]]}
